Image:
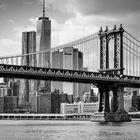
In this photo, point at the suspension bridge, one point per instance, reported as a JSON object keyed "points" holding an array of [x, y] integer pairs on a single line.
{"points": [[112, 62]]}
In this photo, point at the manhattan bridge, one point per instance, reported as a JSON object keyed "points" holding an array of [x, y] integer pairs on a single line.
{"points": [[112, 59]]}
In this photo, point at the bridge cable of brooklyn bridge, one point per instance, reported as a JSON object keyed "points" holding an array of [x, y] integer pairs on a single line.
{"points": [[110, 59]]}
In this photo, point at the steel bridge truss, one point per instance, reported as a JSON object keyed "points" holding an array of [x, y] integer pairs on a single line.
{"points": [[68, 75]]}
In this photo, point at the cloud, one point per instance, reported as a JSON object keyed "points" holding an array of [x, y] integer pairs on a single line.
{"points": [[14, 43], [8, 44], [3, 6], [30, 27], [30, 3], [72, 29], [63, 10], [60, 10], [11, 21], [108, 7], [33, 21]]}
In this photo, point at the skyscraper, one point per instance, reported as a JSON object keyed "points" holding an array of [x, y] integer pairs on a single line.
{"points": [[57, 62], [28, 46], [43, 43], [73, 59], [69, 58]]}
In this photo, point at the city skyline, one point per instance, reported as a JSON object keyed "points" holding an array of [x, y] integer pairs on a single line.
{"points": [[70, 19], [78, 90]]}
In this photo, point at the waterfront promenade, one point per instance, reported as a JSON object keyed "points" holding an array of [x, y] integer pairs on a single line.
{"points": [[45, 116], [31, 116]]}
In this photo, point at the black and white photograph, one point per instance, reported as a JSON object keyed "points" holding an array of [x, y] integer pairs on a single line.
{"points": [[69, 69]]}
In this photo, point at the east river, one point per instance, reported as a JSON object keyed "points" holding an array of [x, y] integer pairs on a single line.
{"points": [[68, 130]]}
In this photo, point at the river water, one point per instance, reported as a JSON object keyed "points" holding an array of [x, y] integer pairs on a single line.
{"points": [[68, 130]]}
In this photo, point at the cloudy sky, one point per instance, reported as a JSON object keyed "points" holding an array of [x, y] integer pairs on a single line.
{"points": [[71, 19]]}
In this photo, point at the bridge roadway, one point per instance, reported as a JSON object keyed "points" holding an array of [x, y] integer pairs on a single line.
{"points": [[16, 71]]}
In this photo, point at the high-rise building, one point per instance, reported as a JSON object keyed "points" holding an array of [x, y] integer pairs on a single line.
{"points": [[69, 58], [5, 91], [57, 62], [43, 43], [73, 60], [55, 102], [28, 46], [45, 102], [16, 88], [138, 103]]}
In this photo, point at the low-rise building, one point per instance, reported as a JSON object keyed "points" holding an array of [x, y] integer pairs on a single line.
{"points": [[45, 102], [41, 103], [79, 108], [70, 98], [1, 104], [10, 103]]}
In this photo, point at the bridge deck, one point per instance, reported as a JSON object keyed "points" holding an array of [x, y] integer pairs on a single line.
{"points": [[67, 75]]}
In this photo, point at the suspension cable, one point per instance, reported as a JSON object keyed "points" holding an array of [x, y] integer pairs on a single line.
{"points": [[76, 42], [132, 36], [130, 51], [131, 41]]}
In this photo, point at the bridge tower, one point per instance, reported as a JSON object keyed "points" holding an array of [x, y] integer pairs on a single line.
{"points": [[105, 37], [115, 112]]}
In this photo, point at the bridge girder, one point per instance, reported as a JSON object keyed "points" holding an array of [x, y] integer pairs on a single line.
{"points": [[15, 71]]}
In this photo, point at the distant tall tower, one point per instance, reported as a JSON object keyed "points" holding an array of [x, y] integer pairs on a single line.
{"points": [[43, 42], [28, 46]]}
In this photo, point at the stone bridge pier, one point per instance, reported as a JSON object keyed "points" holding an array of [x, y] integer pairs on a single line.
{"points": [[111, 107]]}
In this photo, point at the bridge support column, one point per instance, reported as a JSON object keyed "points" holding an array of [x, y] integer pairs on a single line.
{"points": [[118, 114], [100, 100], [121, 100], [115, 100], [106, 104]]}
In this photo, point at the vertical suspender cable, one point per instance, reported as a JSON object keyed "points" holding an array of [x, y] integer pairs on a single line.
{"points": [[133, 62], [98, 61], [127, 61]]}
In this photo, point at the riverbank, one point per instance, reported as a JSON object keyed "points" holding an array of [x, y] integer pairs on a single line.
{"points": [[79, 117], [45, 116]]}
